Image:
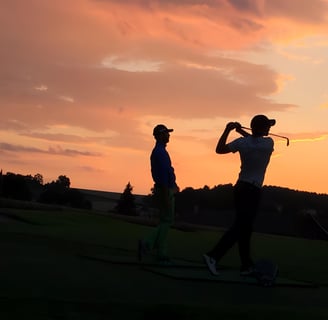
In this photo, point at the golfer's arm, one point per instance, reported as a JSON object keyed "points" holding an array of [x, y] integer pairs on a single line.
{"points": [[222, 146], [242, 132]]}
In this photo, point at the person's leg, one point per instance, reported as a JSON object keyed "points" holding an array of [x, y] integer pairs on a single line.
{"points": [[247, 198], [166, 221], [229, 238], [158, 238], [226, 242]]}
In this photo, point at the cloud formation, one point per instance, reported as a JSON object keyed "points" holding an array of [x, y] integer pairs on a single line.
{"points": [[97, 75], [51, 150]]}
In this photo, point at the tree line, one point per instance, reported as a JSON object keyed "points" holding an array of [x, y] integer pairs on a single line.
{"points": [[274, 199], [191, 201], [282, 211], [32, 188]]}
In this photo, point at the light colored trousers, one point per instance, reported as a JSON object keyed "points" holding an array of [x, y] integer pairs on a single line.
{"points": [[157, 239]]}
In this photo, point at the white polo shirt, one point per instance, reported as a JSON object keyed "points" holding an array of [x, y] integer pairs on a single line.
{"points": [[255, 153]]}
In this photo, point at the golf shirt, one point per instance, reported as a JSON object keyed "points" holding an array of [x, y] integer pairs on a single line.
{"points": [[255, 153], [161, 167]]}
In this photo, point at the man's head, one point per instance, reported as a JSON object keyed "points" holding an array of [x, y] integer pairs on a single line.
{"points": [[162, 133], [261, 125]]}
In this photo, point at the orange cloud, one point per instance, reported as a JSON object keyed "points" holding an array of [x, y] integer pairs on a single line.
{"points": [[309, 137]]}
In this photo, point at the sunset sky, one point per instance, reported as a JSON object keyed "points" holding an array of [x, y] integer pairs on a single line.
{"points": [[83, 83]]}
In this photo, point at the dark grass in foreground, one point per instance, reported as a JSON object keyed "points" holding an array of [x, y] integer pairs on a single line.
{"points": [[43, 277], [40, 310]]}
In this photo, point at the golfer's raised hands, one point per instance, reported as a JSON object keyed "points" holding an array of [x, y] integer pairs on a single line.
{"points": [[233, 125]]}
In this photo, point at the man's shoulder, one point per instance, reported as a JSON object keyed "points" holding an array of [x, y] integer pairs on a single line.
{"points": [[158, 150], [237, 142], [251, 142], [267, 141]]}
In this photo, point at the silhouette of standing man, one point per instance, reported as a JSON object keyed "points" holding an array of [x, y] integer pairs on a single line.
{"points": [[164, 189], [255, 151]]}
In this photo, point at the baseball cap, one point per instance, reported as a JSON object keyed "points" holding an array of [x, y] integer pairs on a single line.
{"points": [[260, 121], [160, 128]]}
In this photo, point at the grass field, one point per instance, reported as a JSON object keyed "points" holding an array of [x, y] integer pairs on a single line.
{"points": [[44, 274]]}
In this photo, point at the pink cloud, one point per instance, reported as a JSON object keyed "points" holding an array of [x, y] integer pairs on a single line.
{"points": [[7, 147], [53, 72]]}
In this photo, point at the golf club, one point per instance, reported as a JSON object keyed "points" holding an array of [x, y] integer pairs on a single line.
{"points": [[272, 134]]}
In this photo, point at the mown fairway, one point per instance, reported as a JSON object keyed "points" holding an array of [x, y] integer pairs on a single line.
{"points": [[45, 276]]}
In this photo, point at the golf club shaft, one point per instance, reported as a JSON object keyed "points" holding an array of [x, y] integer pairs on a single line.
{"points": [[272, 134]]}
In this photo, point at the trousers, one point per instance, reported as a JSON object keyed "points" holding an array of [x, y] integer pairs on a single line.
{"points": [[158, 238], [246, 200]]}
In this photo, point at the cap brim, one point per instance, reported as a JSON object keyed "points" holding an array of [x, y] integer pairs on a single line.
{"points": [[272, 122], [162, 131]]}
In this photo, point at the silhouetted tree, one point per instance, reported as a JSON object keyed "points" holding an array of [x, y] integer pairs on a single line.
{"points": [[59, 192], [54, 193], [126, 203], [35, 185], [15, 186], [64, 181], [38, 178]]}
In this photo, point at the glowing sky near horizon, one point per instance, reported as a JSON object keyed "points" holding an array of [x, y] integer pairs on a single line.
{"points": [[83, 83]]}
